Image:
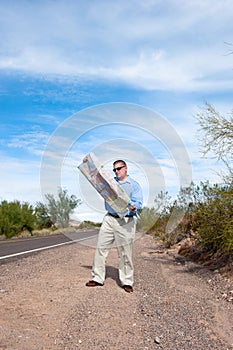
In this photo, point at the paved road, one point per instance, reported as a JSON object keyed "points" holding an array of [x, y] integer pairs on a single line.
{"points": [[19, 247]]}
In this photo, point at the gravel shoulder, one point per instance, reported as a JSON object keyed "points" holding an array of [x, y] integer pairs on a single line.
{"points": [[176, 303]]}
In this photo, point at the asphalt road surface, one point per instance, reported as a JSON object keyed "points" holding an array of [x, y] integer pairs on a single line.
{"points": [[21, 246]]}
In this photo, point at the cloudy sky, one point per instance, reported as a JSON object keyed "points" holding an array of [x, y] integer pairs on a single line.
{"points": [[117, 78]]}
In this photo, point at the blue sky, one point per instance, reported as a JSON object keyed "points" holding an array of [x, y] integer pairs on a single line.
{"points": [[61, 60]]}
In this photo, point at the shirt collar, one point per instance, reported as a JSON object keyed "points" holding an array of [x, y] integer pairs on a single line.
{"points": [[125, 181]]}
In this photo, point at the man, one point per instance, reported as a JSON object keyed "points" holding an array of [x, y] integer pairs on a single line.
{"points": [[118, 229]]}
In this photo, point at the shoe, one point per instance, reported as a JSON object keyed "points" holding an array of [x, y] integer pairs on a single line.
{"points": [[128, 289], [93, 284]]}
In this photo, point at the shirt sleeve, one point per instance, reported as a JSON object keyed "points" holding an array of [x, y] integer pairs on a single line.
{"points": [[136, 196]]}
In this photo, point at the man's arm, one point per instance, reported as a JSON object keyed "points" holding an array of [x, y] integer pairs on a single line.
{"points": [[136, 199]]}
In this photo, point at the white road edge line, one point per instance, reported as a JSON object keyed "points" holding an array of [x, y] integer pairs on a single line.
{"points": [[43, 248]]}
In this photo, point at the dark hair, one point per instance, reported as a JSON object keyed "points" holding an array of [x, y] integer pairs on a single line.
{"points": [[120, 161]]}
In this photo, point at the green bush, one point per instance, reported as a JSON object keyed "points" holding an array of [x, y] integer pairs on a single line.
{"points": [[214, 220], [147, 219], [89, 225], [15, 217], [42, 216], [208, 215]]}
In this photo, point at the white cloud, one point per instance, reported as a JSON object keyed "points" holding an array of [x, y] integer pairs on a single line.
{"points": [[32, 141], [154, 45]]}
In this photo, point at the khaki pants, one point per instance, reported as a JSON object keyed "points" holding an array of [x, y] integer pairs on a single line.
{"points": [[122, 233]]}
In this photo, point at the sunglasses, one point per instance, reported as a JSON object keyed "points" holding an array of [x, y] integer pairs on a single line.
{"points": [[118, 168]]}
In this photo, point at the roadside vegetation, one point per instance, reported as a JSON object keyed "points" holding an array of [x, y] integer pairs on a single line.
{"points": [[17, 217], [87, 224], [207, 220]]}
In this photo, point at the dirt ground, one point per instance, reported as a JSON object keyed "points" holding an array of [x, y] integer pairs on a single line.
{"points": [[176, 304]]}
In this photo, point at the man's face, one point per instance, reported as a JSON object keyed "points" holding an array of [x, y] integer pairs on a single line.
{"points": [[120, 170]]}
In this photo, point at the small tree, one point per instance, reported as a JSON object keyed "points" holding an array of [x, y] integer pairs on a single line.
{"points": [[216, 136], [58, 210]]}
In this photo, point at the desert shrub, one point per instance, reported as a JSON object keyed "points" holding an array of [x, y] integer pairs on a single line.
{"points": [[43, 219], [214, 219], [147, 219], [204, 211], [16, 217], [89, 225]]}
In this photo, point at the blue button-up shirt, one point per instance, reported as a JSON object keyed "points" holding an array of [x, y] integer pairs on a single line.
{"points": [[134, 191]]}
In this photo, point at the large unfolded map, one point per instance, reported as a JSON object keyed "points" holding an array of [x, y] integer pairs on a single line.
{"points": [[105, 184]]}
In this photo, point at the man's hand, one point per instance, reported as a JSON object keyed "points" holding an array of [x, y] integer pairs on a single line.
{"points": [[132, 208], [85, 159]]}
